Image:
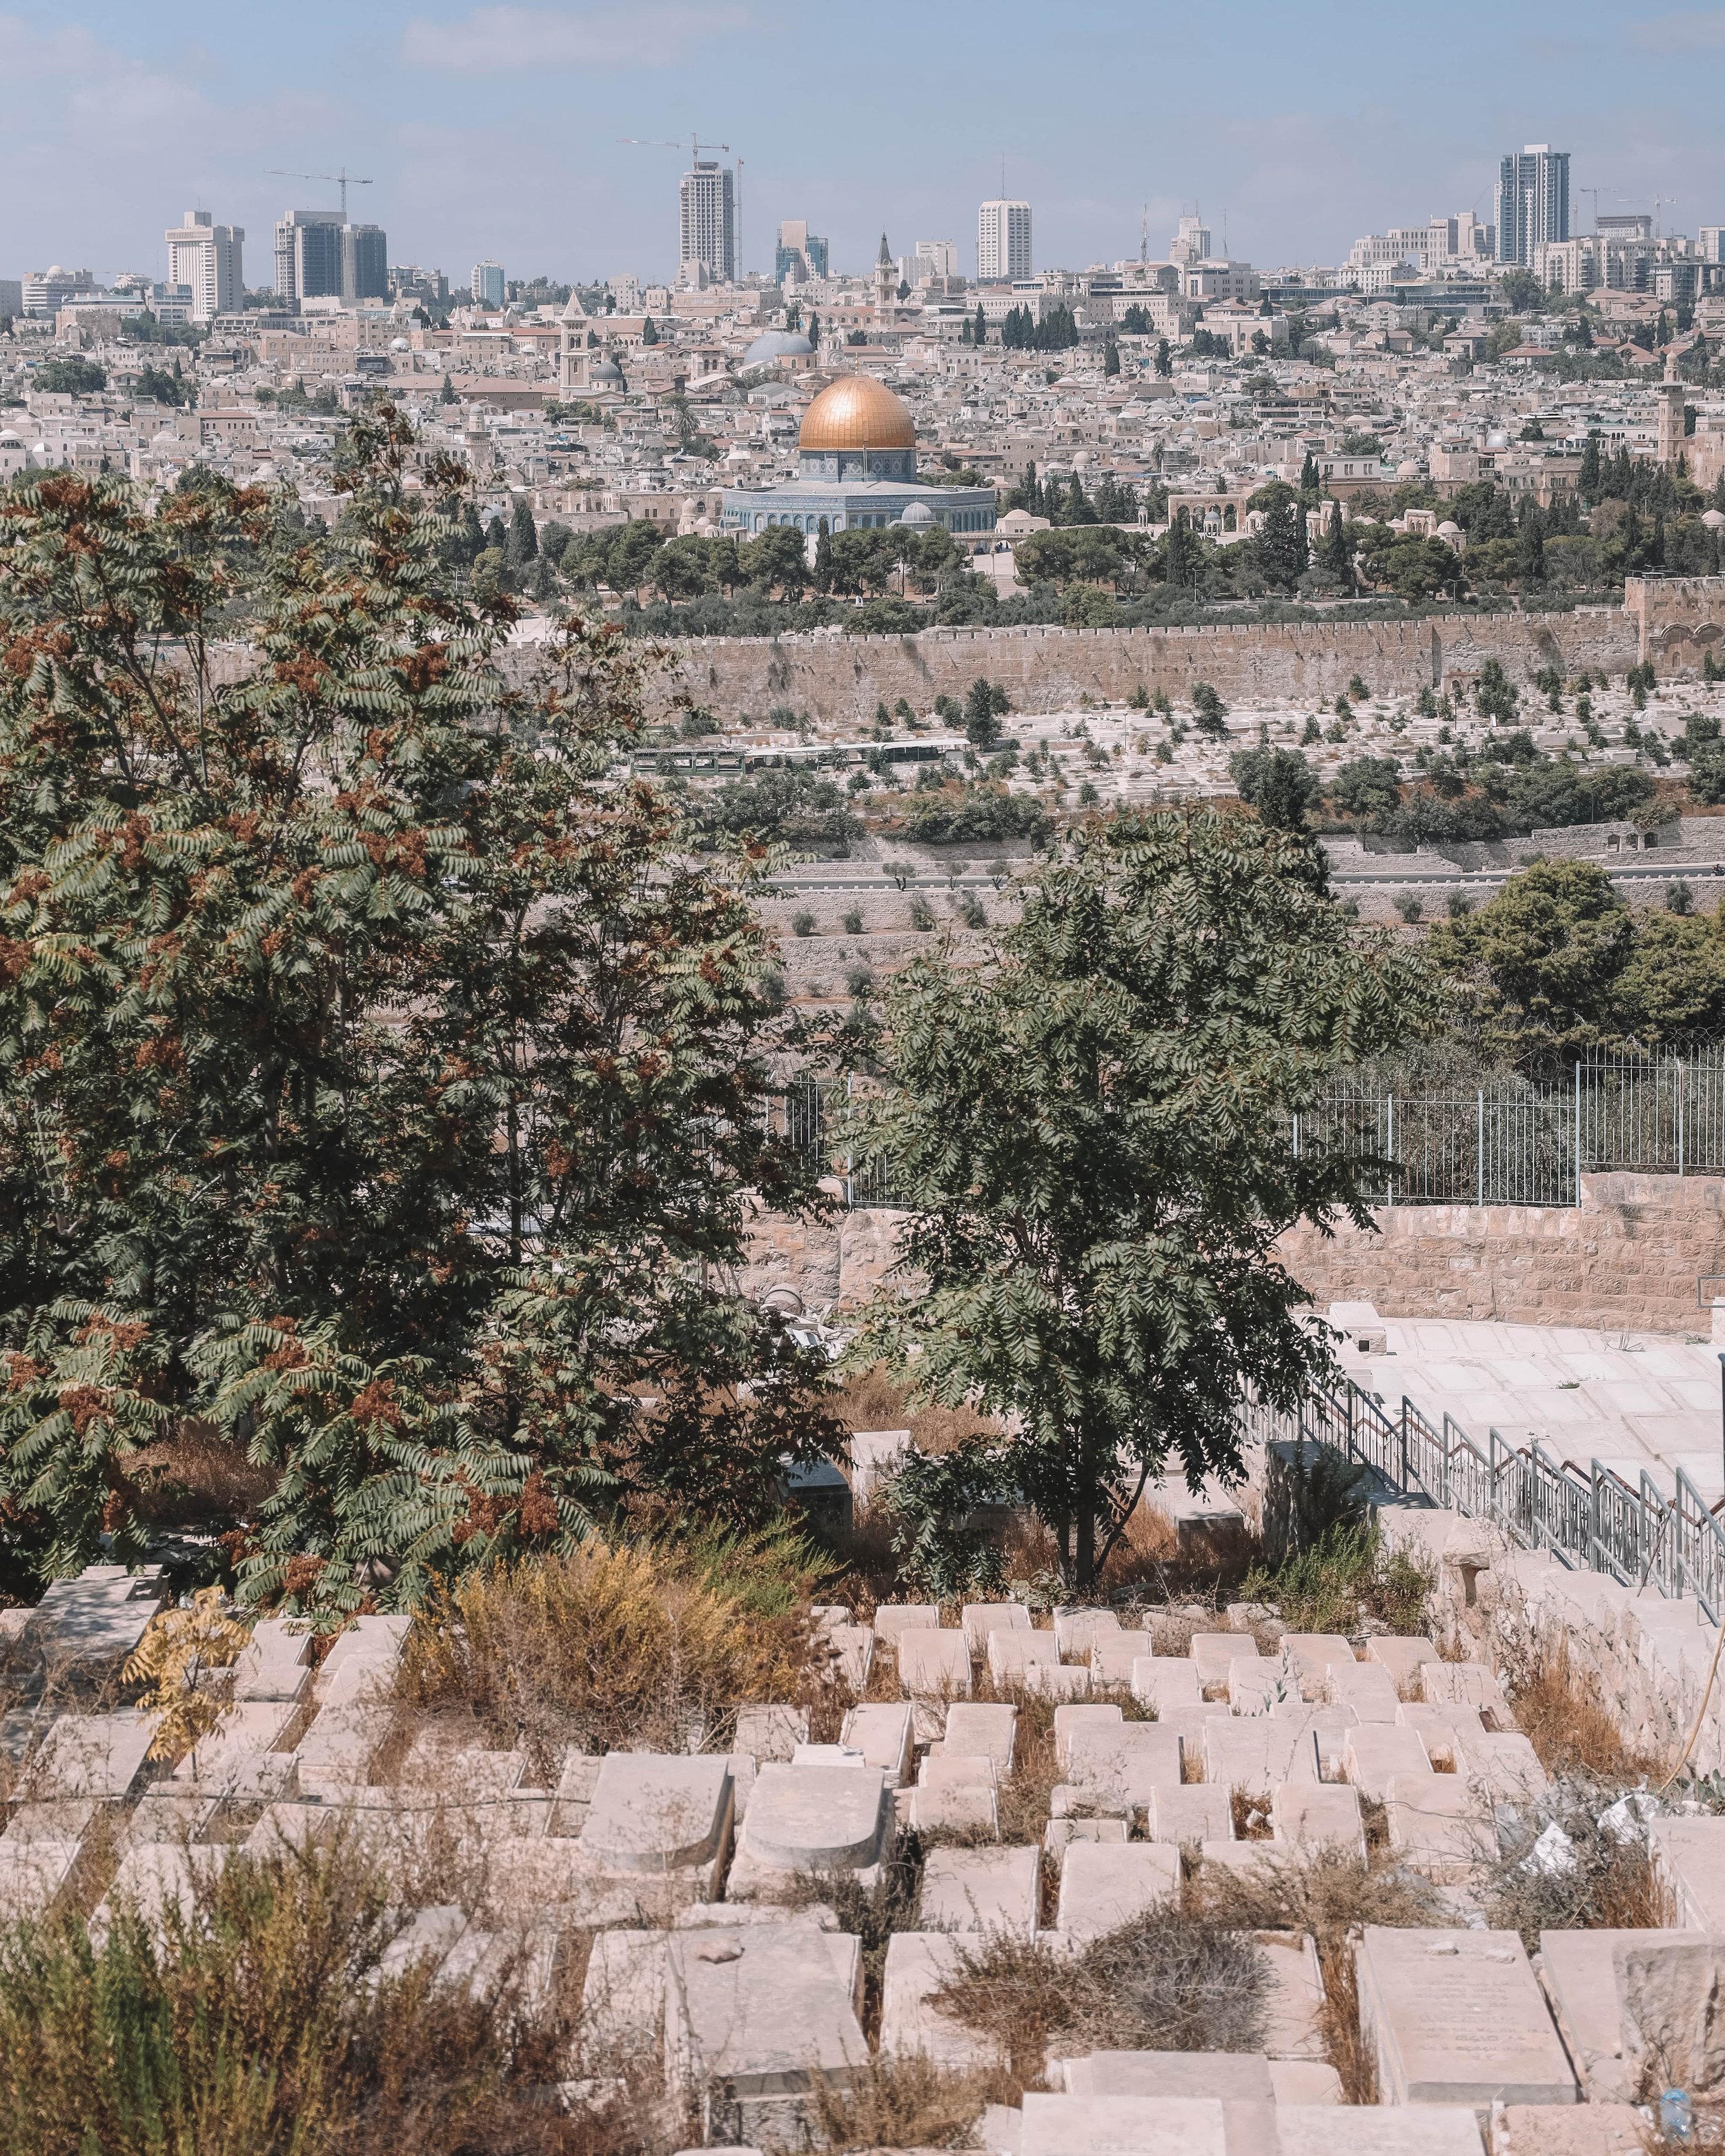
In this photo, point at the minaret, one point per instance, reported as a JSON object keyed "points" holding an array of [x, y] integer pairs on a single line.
{"points": [[1671, 415], [885, 282]]}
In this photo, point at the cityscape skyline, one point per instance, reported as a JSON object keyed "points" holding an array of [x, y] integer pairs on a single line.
{"points": [[1301, 148]]}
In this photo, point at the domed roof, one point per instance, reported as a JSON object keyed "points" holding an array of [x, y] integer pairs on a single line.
{"points": [[856, 413], [777, 344], [1710, 517], [1451, 530], [919, 513], [608, 370]]}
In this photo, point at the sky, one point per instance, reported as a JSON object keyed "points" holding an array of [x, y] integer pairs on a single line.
{"points": [[497, 130]]}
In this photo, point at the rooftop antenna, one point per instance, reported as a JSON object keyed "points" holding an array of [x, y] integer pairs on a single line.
{"points": [[344, 179], [1144, 234]]}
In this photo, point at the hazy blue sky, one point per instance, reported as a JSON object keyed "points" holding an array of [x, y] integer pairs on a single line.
{"points": [[493, 130]]}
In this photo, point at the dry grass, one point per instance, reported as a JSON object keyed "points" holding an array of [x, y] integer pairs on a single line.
{"points": [[257, 2019], [1606, 1881], [1565, 1721], [869, 1399], [1171, 1981], [906, 2103], [603, 1648], [1331, 1897]]}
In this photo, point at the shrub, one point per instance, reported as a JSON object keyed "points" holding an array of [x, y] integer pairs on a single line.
{"points": [[853, 921], [803, 923], [1595, 1873], [972, 911], [1211, 711], [1348, 1572], [921, 915]]}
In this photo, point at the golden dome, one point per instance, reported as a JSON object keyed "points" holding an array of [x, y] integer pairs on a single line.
{"points": [[857, 414]]}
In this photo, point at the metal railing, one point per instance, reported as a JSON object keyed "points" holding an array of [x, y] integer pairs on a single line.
{"points": [[1592, 1519]]}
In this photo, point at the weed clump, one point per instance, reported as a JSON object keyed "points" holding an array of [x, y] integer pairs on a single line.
{"points": [[1577, 1859], [1563, 1721], [1349, 1573]]}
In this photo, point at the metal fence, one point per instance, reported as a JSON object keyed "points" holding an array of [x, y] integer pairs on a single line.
{"points": [[1592, 1519]]}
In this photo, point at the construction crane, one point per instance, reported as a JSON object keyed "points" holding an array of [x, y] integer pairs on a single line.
{"points": [[1609, 188], [1660, 203], [344, 179]]}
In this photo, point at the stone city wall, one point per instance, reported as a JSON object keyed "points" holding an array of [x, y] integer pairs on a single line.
{"points": [[1629, 1256], [839, 679]]}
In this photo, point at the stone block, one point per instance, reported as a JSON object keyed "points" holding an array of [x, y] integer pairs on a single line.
{"points": [[933, 1665], [1310, 1653], [853, 1650], [1013, 1652], [805, 1818], [987, 1891], [1583, 2129], [1620, 1996], [987, 1726], [1057, 2125], [1311, 1816], [1133, 1756], [1069, 1719], [1189, 1812], [1458, 2017], [334, 1757], [941, 1769], [228, 1759], [875, 1455], [623, 1993], [1367, 1688], [892, 1619], [1256, 1687], [91, 1755], [1056, 1680], [1294, 1995], [1445, 1731], [753, 2012], [654, 1813], [33, 1872], [153, 1875], [1438, 1825], [1102, 1887], [1247, 1859], [1214, 1654], [1330, 1728], [1305, 2081], [1088, 1800], [1060, 1834], [1506, 1766], [980, 1619], [952, 1808], [1467, 1684], [883, 1732], [1690, 1856], [770, 1732], [1112, 1655], [1404, 1658], [918, 1964], [1421, 2129], [1222, 2075], [95, 1621], [1164, 1683], [1254, 1755], [1076, 1631], [1377, 1752]]}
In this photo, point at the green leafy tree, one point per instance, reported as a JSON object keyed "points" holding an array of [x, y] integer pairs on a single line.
{"points": [[983, 706], [1279, 549], [447, 395], [1368, 786], [650, 331], [1278, 783], [523, 546], [380, 1085], [1211, 712], [73, 376], [1090, 1138], [1111, 357], [1497, 695]]}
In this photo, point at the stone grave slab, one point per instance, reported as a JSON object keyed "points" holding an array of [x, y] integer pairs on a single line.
{"points": [[770, 1732], [1414, 2129], [1467, 1684], [1013, 1653], [875, 1455], [1060, 1834], [1582, 2129], [660, 1812], [984, 1726], [1294, 1995], [91, 1755], [241, 1749], [1076, 1631], [980, 1619], [1255, 1753], [1445, 1731], [1090, 1716], [1505, 1765], [1133, 1756], [1367, 1688], [918, 1964], [368, 1639], [576, 1781], [1305, 2081], [1244, 1858], [933, 1665], [893, 1618], [950, 1770], [1329, 1727], [1377, 1752], [95, 1620], [428, 1936], [1244, 2076], [1214, 1654], [1056, 1680], [1088, 1800], [885, 1735], [1255, 1686], [334, 1757], [753, 2012], [1438, 1824], [1310, 1653], [623, 1993], [1311, 1815], [1058, 2125], [1404, 1658], [54, 1819], [1113, 1654], [1598, 2007], [1164, 1683], [988, 1891], [1458, 2017], [853, 1649], [1690, 1856], [804, 1818], [1184, 1812], [954, 1807], [1103, 1887], [161, 1815], [33, 1870], [152, 1877]]}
